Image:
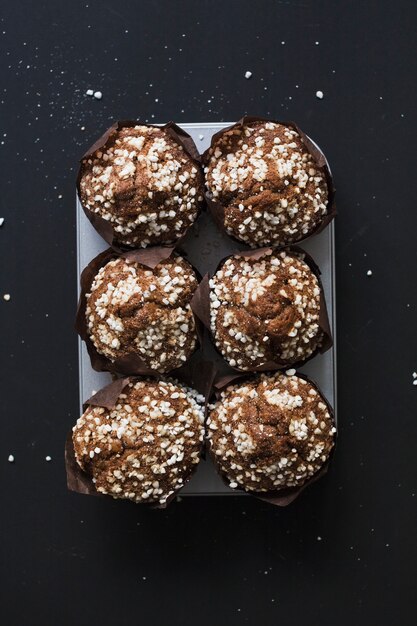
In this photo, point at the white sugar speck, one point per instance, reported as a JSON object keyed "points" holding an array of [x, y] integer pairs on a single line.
{"points": [[201, 137], [248, 74], [319, 538], [82, 128], [369, 273], [48, 458], [89, 92], [98, 95], [10, 458], [415, 382], [414, 374], [6, 297], [319, 95], [1, 221]]}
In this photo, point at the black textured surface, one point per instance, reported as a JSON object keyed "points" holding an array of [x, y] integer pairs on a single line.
{"points": [[345, 552]]}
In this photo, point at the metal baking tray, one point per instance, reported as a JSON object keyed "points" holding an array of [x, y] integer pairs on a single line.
{"points": [[205, 247]]}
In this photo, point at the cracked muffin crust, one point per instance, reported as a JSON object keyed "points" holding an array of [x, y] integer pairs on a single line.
{"points": [[270, 187], [146, 447], [264, 310], [133, 309], [271, 432], [145, 184]]}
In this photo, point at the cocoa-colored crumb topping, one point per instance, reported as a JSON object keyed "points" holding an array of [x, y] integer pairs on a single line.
{"points": [[270, 433], [145, 184], [146, 447], [265, 309], [132, 309], [272, 190]]}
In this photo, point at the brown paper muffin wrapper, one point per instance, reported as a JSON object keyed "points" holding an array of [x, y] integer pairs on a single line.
{"points": [[281, 497], [104, 227], [130, 364], [200, 378], [217, 209], [200, 305]]}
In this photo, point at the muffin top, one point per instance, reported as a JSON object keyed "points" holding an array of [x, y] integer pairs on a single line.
{"points": [[144, 183], [144, 448], [271, 432], [271, 188], [132, 309], [265, 309]]}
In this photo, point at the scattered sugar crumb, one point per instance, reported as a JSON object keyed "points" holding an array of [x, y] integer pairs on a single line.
{"points": [[369, 273], [283, 43], [317, 43], [201, 137], [10, 458], [415, 382], [319, 95], [414, 374], [1, 221], [143, 577], [89, 92], [98, 95], [60, 197], [318, 538], [6, 297], [48, 458], [248, 74], [82, 128]]}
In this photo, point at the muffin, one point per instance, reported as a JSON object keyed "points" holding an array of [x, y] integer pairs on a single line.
{"points": [[271, 189], [265, 310], [270, 433], [131, 309], [146, 447], [144, 183]]}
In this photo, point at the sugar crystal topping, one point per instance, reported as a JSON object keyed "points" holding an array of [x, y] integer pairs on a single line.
{"points": [[145, 448], [271, 432]]}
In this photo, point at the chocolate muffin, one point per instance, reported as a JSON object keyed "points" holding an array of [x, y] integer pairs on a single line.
{"points": [[146, 447], [132, 309], [272, 190], [144, 183], [265, 310], [271, 432]]}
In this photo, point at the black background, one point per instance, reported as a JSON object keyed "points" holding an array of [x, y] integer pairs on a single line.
{"points": [[345, 552]]}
